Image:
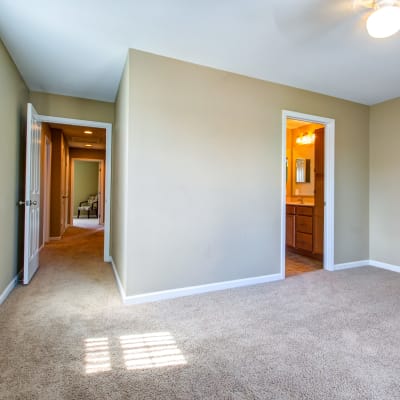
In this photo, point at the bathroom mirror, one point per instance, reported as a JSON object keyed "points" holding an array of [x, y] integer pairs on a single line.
{"points": [[303, 170]]}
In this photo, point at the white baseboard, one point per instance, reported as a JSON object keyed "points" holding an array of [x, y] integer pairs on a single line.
{"points": [[389, 267], [353, 264], [367, 263], [191, 290], [119, 283], [55, 238], [212, 287], [8, 289]]}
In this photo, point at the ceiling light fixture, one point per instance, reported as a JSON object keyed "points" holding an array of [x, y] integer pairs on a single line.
{"points": [[88, 132], [385, 20], [306, 138], [88, 145]]}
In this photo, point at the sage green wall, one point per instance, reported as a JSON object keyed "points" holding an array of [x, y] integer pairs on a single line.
{"points": [[120, 200], [204, 174], [86, 178], [13, 100], [384, 191], [72, 107]]}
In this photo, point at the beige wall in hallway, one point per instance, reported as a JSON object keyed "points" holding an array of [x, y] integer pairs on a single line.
{"points": [[72, 107], [120, 200], [384, 193], [13, 100], [204, 174], [46, 134]]}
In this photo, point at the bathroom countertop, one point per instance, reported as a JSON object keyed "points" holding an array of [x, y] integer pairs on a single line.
{"points": [[296, 203]]}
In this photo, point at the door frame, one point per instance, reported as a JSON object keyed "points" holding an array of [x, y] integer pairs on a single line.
{"points": [[107, 193], [46, 188], [100, 187], [329, 186]]}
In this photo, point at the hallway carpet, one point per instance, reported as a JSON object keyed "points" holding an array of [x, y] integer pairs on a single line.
{"points": [[319, 335]]}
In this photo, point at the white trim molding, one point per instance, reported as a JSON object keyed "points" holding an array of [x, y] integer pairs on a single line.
{"points": [[10, 287], [190, 290], [329, 186], [117, 278], [213, 287], [367, 263], [107, 206], [52, 238], [389, 267], [353, 264]]}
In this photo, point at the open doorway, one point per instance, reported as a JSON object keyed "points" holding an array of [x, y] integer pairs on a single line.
{"points": [[48, 154], [304, 196], [88, 143], [87, 192], [307, 193]]}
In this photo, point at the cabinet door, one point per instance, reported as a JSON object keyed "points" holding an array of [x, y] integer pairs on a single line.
{"points": [[304, 224], [304, 241], [290, 230]]}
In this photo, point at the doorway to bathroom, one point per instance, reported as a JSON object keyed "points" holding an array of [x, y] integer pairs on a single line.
{"points": [[307, 200]]}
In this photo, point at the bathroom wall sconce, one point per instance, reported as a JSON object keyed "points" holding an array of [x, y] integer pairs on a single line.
{"points": [[306, 138]]}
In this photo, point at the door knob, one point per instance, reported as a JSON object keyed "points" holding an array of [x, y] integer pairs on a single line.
{"points": [[27, 203]]}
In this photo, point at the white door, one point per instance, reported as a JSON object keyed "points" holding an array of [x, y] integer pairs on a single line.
{"points": [[32, 194]]}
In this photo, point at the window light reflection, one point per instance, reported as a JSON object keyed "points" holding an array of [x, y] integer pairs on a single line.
{"points": [[153, 350], [97, 355], [140, 351]]}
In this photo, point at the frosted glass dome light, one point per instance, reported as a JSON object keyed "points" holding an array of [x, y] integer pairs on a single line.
{"points": [[384, 22]]}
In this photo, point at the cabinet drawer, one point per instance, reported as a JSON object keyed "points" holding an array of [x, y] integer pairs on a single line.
{"points": [[304, 241], [291, 210], [304, 224], [302, 210]]}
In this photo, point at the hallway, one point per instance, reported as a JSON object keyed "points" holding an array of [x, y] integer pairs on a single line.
{"points": [[43, 325], [66, 335]]}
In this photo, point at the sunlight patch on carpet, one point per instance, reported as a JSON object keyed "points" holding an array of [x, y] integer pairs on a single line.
{"points": [[151, 350], [97, 355], [140, 351]]}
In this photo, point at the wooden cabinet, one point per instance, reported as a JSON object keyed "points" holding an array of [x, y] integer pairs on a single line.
{"points": [[300, 228], [290, 225]]}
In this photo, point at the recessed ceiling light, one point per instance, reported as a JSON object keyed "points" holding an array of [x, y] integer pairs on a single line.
{"points": [[88, 132], [88, 145]]}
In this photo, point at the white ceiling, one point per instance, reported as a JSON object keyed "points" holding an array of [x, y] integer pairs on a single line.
{"points": [[78, 48]]}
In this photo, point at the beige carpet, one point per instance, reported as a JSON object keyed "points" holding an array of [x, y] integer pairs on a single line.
{"points": [[319, 335]]}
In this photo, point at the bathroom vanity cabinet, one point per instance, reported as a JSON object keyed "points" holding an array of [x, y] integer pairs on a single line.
{"points": [[300, 229]]}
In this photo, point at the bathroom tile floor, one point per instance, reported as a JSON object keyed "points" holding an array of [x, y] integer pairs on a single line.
{"points": [[297, 264]]}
